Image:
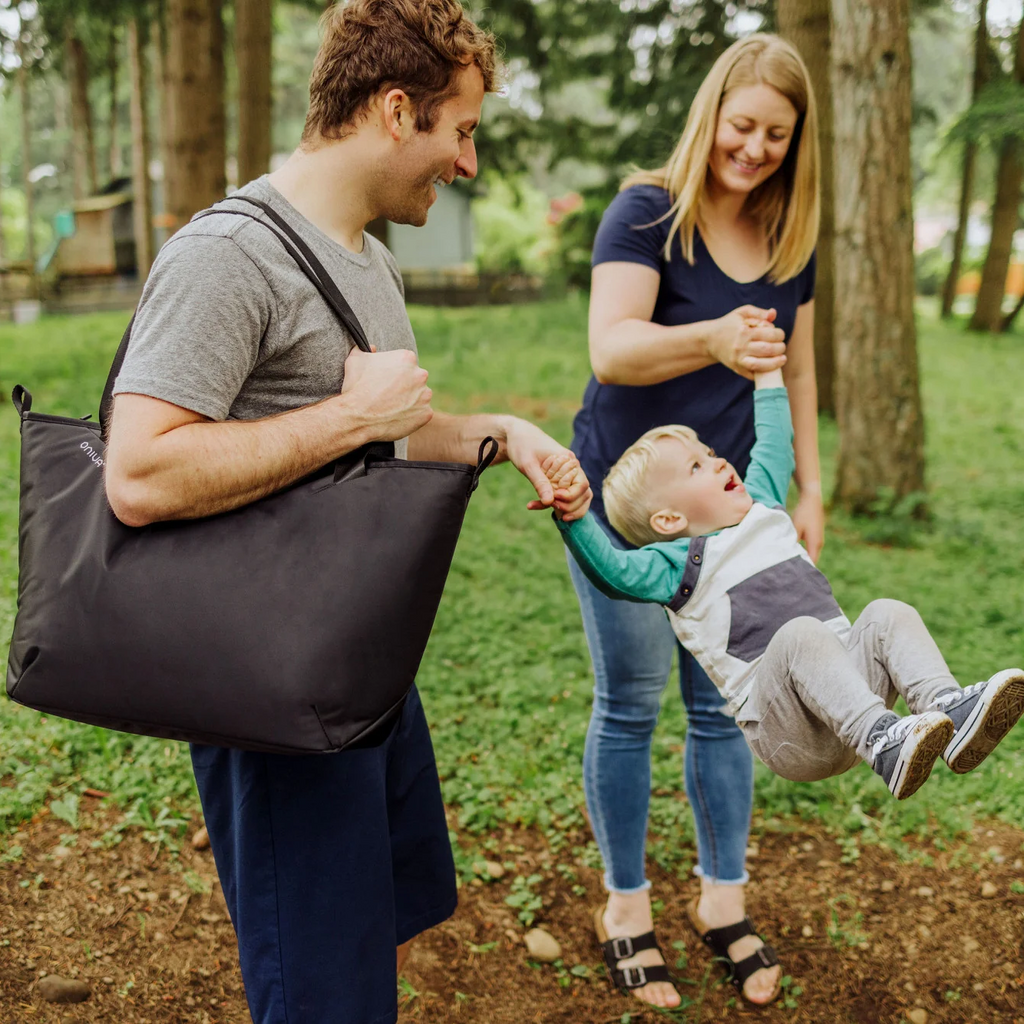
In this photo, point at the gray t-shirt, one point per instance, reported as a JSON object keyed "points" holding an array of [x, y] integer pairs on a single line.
{"points": [[229, 327]]}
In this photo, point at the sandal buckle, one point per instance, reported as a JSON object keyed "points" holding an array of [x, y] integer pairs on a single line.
{"points": [[635, 977], [622, 948], [766, 957]]}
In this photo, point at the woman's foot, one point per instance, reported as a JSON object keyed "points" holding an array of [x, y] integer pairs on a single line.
{"points": [[722, 905], [631, 915]]}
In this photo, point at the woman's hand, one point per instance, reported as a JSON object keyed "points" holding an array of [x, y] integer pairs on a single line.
{"points": [[809, 520], [747, 341]]}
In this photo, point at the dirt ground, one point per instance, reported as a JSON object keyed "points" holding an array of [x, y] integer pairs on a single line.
{"points": [[150, 935]]}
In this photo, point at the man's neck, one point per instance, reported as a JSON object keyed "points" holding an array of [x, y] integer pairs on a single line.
{"points": [[328, 187]]}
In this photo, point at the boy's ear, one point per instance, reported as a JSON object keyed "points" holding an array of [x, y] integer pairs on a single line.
{"points": [[668, 522]]}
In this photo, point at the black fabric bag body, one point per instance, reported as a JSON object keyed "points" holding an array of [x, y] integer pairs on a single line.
{"points": [[293, 624]]}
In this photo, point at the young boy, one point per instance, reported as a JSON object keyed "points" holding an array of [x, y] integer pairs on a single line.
{"points": [[811, 692]]}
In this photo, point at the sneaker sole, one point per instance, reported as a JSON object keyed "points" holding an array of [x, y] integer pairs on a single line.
{"points": [[995, 714], [920, 750]]}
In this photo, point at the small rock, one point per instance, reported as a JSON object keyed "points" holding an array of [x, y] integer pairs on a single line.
{"points": [[924, 931], [1018, 864], [513, 936], [1009, 969], [825, 864], [201, 840], [807, 931], [971, 945], [478, 882], [60, 852], [925, 891], [978, 986], [988, 890], [55, 989], [494, 869], [807, 846], [910, 986], [108, 981], [888, 885], [541, 946], [753, 850], [917, 1016]]}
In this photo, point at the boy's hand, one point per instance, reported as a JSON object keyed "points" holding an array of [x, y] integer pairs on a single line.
{"points": [[570, 487]]}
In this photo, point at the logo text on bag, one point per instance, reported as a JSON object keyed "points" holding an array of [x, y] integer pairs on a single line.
{"points": [[92, 453]]}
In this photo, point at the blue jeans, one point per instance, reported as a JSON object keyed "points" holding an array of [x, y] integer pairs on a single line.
{"points": [[631, 649]]}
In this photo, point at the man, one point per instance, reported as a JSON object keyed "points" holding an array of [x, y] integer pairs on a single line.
{"points": [[238, 382]]}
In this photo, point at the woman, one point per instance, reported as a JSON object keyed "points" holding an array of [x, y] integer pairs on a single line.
{"points": [[703, 273]]}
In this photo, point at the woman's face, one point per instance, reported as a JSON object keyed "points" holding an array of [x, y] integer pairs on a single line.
{"points": [[754, 130]]}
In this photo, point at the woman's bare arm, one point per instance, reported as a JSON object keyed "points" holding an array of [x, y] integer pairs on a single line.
{"points": [[626, 348]]}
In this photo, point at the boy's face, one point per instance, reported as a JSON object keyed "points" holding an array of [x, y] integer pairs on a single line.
{"points": [[692, 492]]}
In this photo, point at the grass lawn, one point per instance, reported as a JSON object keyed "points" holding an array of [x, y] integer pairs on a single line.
{"points": [[506, 678]]}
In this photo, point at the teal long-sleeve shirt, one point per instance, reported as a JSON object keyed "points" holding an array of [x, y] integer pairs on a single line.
{"points": [[653, 573]]}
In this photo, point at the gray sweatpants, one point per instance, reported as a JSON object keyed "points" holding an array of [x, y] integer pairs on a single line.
{"points": [[816, 695]]}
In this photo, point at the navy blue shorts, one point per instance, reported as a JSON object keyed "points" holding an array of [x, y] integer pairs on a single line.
{"points": [[328, 862]]}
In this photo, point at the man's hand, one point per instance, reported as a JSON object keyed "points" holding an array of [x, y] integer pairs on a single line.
{"points": [[552, 469], [389, 389]]}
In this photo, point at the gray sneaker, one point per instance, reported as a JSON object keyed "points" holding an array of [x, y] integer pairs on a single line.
{"points": [[905, 752], [982, 714]]}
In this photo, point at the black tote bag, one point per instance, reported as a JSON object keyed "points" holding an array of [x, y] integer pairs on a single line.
{"points": [[294, 624]]}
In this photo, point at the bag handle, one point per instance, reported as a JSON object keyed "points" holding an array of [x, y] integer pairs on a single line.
{"points": [[307, 262]]}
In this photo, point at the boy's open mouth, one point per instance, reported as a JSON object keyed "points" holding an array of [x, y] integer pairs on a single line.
{"points": [[731, 485]]}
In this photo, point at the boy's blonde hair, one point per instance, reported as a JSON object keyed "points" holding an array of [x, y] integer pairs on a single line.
{"points": [[625, 487], [787, 204]]}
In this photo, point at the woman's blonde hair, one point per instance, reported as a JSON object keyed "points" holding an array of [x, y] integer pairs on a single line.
{"points": [[787, 204], [625, 487]]}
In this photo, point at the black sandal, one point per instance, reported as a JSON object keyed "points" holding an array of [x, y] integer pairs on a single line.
{"points": [[622, 948], [718, 940]]}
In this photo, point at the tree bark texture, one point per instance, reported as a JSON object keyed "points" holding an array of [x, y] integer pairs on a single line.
{"points": [[807, 24], [116, 158], [142, 206], [253, 59], [83, 147], [195, 123], [970, 155], [26, 160], [878, 402], [988, 312]]}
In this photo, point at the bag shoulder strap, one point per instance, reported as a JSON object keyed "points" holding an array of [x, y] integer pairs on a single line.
{"points": [[304, 258]]}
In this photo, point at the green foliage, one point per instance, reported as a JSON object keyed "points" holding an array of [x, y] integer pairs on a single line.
{"points": [[996, 115], [506, 677], [512, 232], [930, 269]]}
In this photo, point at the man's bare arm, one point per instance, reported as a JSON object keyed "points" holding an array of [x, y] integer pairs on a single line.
{"points": [[457, 439], [165, 462]]}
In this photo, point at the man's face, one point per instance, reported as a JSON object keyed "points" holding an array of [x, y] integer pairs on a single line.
{"points": [[426, 161]]}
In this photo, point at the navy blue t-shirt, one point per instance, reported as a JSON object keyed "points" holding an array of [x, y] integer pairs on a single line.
{"points": [[714, 401]]}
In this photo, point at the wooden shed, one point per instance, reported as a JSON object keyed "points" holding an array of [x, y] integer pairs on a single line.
{"points": [[103, 241]]}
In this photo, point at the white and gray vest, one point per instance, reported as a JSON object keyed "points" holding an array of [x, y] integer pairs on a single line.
{"points": [[740, 587]]}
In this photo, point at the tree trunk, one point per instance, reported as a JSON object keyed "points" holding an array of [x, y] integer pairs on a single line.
{"points": [[988, 312], [195, 127], [878, 402], [807, 24], [83, 146], [970, 154], [142, 206], [163, 91], [116, 159], [253, 59], [26, 160], [1013, 314]]}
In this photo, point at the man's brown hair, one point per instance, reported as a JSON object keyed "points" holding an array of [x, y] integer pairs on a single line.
{"points": [[370, 46]]}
